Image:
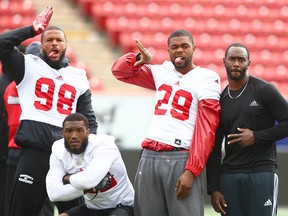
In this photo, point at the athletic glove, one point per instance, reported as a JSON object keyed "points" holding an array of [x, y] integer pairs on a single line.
{"points": [[42, 20], [105, 182]]}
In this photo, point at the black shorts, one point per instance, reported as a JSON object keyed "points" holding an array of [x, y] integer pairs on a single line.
{"points": [[118, 211]]}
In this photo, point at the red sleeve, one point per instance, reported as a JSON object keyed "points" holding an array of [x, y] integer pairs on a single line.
{"points": [[13, 111], [204, 135], [124, 70]]}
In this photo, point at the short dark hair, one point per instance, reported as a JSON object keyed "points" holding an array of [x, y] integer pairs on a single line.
{"points": [[238, 45], [52, 28], [76, 117], [180, 33]]}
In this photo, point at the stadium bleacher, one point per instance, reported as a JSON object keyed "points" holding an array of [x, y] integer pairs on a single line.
{"points": [[261, 25], [18, 13]]}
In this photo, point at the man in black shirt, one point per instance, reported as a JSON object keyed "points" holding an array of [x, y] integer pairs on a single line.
{"points": [[246, 181]]}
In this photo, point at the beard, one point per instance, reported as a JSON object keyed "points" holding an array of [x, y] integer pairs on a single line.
{"points": [[53, 64], [236, 78], [77, 151]]}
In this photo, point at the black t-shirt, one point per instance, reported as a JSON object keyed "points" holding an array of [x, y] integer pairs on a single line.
{"points": [[258, 107]]}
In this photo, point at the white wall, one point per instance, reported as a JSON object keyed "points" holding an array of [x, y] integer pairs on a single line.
{"points": [[127, 117]]}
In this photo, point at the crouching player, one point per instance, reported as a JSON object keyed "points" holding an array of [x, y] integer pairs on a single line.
{"points": [[90, 165]]}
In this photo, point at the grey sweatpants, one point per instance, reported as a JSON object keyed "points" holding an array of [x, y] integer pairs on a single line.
{"points": [[155, 183]]}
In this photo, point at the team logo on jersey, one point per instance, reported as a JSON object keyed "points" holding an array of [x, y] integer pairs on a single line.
{"points": [[13, 100], [177, 142], [26, 179], [254, 104], [59, 77], [177, 83]]}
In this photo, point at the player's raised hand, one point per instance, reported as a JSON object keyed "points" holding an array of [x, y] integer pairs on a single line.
{"points": [[145, 55], [42, 20]]}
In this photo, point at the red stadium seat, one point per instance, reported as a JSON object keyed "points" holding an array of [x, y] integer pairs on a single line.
{"points": [[96, 84], [4, 8], [30, 40], [71, 55], [25, 8], [282, 87], [0, 68], [260, 25], [86, 6]]}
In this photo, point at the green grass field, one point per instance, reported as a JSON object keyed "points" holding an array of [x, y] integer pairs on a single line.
{"points": [[209, 211]]}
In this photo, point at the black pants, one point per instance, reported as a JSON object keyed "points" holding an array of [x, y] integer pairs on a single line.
{"points": [[117, 211], [14, 155], [250, 193], [29, 186], [64, 206], [2, 186]]}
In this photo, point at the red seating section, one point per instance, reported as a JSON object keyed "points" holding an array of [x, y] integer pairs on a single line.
{"points": [[14, 14], [18, 13], [261, 25]]}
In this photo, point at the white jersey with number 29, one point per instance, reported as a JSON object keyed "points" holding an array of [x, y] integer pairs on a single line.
{"points": [[177, 98]]}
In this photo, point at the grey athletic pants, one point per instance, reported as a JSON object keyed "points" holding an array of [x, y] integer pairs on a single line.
{"points": [[250, 194], [155, 183]]}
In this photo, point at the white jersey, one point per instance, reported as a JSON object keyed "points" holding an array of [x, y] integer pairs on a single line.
{"points": [[100, 157], [49, 95], [177, 99]]}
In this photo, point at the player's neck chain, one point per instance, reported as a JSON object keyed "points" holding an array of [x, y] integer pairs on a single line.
{"points": [[78, 160], [239, 93]]}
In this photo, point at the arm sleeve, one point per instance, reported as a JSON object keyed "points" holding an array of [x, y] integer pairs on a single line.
{"points": [[56, 190], [214, 163], [277, 106], [11, 58], [4, 130], [124, 70], [84, 106], [96, 170], [204, 135]]}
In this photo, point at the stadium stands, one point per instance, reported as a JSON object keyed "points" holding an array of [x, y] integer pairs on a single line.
{"points": [[14, 14], [261, 25]]}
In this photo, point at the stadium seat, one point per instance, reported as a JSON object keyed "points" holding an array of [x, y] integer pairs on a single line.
{"points": [[71, 55], [30, 40], [4, 8], [215, 24], [85, 6], [96, 84], [24, 8]]}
